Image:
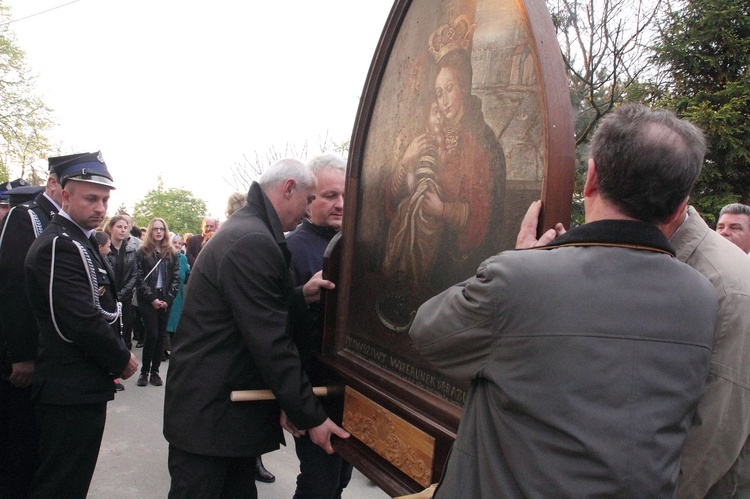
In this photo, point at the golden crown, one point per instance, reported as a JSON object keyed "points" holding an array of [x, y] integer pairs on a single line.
{"points": [[452, 36]]}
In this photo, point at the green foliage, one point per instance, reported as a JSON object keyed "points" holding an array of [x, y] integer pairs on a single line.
{"points": [[180, 208], [705, 49], [24, 119]]}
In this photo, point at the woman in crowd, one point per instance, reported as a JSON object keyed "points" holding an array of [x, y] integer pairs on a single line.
{"points": [[121, 257], [158, 276], [176, 310]]}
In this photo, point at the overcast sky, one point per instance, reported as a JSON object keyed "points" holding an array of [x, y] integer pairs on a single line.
{"points": [[184, 89]]}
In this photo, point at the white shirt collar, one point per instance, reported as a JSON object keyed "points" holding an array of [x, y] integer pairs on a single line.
{"points": [[52, 201], [87, 232]]}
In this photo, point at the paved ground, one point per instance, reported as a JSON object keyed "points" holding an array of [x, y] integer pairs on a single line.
{"points": [[133, 458]]}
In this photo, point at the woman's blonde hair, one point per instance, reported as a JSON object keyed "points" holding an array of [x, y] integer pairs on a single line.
{"points": [[236, 201]]}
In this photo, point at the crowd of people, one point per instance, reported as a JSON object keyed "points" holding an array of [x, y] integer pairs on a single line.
{"points": [[608, 360]]}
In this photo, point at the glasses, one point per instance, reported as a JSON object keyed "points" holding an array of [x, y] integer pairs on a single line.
{"points": [[158, 229]]}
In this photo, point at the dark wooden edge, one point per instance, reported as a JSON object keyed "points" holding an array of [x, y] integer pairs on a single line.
{"points": [[559, 172]]}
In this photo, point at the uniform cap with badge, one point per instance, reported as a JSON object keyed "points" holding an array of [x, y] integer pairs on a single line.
{"points": [[82, 167], [7, 187]]}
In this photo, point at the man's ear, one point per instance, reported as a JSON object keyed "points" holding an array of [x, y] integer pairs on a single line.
{"points": [[592, 179], [66, 196], [289, 186]]}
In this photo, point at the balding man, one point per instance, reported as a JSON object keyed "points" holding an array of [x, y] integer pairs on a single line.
{"points": [[194, 245], [586, 356], [234, 334]]}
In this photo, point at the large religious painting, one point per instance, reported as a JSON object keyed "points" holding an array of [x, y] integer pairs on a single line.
{"points": [[465, 121]]}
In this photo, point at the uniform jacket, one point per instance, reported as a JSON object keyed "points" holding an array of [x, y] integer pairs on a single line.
{"points": [[79, 348], [586, 360], [19, 332], [144, 266], [234, 335], [128, 281], [717, 442]]}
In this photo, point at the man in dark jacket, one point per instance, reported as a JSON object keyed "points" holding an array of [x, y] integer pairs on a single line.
{"points": [[194, 245], [72, 295], [321, 475], [587, 356], [19, 446], [234, 335]]}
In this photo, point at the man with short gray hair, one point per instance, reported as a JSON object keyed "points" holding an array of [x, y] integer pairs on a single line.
{"points": [[321, 476], [734, 224], [586, 355], [234, 334]]}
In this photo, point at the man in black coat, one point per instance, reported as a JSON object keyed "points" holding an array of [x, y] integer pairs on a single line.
{"points": [[72, 295], [19, 446], [234, 335]]}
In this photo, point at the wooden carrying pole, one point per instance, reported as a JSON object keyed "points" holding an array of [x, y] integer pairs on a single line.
{"points": [[256, 395]]}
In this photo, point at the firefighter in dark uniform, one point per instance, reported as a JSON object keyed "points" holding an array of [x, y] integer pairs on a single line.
{"points": [[72, 295], [19, 446]]}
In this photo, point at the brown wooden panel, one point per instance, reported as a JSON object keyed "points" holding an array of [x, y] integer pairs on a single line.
{"points": [[403, 445]]}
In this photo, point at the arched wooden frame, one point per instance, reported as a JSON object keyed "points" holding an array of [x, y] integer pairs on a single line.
{"points": [[379, 399]]}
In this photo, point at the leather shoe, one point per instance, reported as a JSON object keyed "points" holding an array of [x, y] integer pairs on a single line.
{"points": [[142, 380], [119, 386], [139, 345], [155, 379], [261, 473]]}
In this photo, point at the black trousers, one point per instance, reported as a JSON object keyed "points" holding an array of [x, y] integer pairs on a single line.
{"points": [[210, 477], [322, 475], [19, 442], [127, 323], [138, 326], [155, 322], [69, 441]]}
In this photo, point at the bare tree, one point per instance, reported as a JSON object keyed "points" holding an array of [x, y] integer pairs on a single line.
{"points": [[249, 169], [606, 48]]}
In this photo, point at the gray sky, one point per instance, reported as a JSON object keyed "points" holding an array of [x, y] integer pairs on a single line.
{"points": [[182, 89]]}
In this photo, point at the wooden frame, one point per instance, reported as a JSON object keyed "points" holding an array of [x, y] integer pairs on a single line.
{"points": [[402, 414]]}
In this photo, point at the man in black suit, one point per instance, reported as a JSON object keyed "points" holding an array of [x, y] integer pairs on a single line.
{"points": [[72, 295], [234, 334], [19, 447]]}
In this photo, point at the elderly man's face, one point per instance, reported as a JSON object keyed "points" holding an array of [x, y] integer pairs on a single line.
{"points": [[209, 226], [736, 228]]}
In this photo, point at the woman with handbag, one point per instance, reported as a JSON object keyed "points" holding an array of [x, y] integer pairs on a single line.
{"points": [[158, 279]]}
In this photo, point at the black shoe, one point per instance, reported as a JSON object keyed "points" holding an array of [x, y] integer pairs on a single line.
{"points": [[261, 473], [142, 379], [139, 345], [165, 356], [119, 386], [155, 379]]}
